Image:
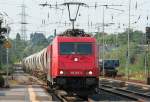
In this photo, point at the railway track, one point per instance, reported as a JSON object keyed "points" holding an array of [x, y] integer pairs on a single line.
{"points": [[63, 96], [131, 91], [106, 92], [69, 96], [59, 94], [119, 90]]}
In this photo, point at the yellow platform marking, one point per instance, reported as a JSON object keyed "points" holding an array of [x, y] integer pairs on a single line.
{"points": [[32, 94]]}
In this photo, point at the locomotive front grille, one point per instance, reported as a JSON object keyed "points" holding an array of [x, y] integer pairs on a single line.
{"points": [[77, 82]]}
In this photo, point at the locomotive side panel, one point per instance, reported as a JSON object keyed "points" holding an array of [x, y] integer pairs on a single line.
{"points": [[54, 70], [49, 63]]}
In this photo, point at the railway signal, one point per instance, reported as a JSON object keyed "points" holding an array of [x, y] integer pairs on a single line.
{"points": [[2, 31]]}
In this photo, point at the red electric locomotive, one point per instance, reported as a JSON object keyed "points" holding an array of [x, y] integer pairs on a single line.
{"points": [[71, 61]]}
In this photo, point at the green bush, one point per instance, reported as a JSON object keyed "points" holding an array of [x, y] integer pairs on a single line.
{"points": [[2, 81], [10, 69], [0, 66]]}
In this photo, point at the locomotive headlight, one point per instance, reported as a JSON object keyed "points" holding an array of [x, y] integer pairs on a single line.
{"points": [[61, 72], [76, 59], [90, 72]]}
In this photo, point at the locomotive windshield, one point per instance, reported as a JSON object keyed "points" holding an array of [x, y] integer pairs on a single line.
{"points": [[67, 48], [75, 48]]}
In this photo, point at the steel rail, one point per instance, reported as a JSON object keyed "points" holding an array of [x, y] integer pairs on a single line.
{"points": [[125, 93]]}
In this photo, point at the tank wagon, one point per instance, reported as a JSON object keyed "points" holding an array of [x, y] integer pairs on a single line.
{"points": [[71, 60], [110, 67]]}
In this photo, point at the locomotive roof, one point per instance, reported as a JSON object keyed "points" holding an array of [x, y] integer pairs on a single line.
{"points": [[74, 39], [75, 33]]}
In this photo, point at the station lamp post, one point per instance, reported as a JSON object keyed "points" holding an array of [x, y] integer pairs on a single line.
{"points": [[128, 43], [7, 45], [4, 34]]}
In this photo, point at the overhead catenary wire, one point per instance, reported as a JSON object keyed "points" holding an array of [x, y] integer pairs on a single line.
{"points": [[98, 3]]}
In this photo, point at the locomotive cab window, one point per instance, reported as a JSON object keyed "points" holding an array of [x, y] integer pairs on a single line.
{"points": [[84, 48], [75, 48], [67, 48]]}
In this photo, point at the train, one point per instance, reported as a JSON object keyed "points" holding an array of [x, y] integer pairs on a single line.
{"points": [[70, 60], [110, 67]]}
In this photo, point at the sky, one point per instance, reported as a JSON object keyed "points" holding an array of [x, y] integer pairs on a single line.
{"points": [[45, 19]]}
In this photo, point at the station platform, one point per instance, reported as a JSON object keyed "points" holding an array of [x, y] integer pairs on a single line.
{"points": [[24, 93], [23, 89]]}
